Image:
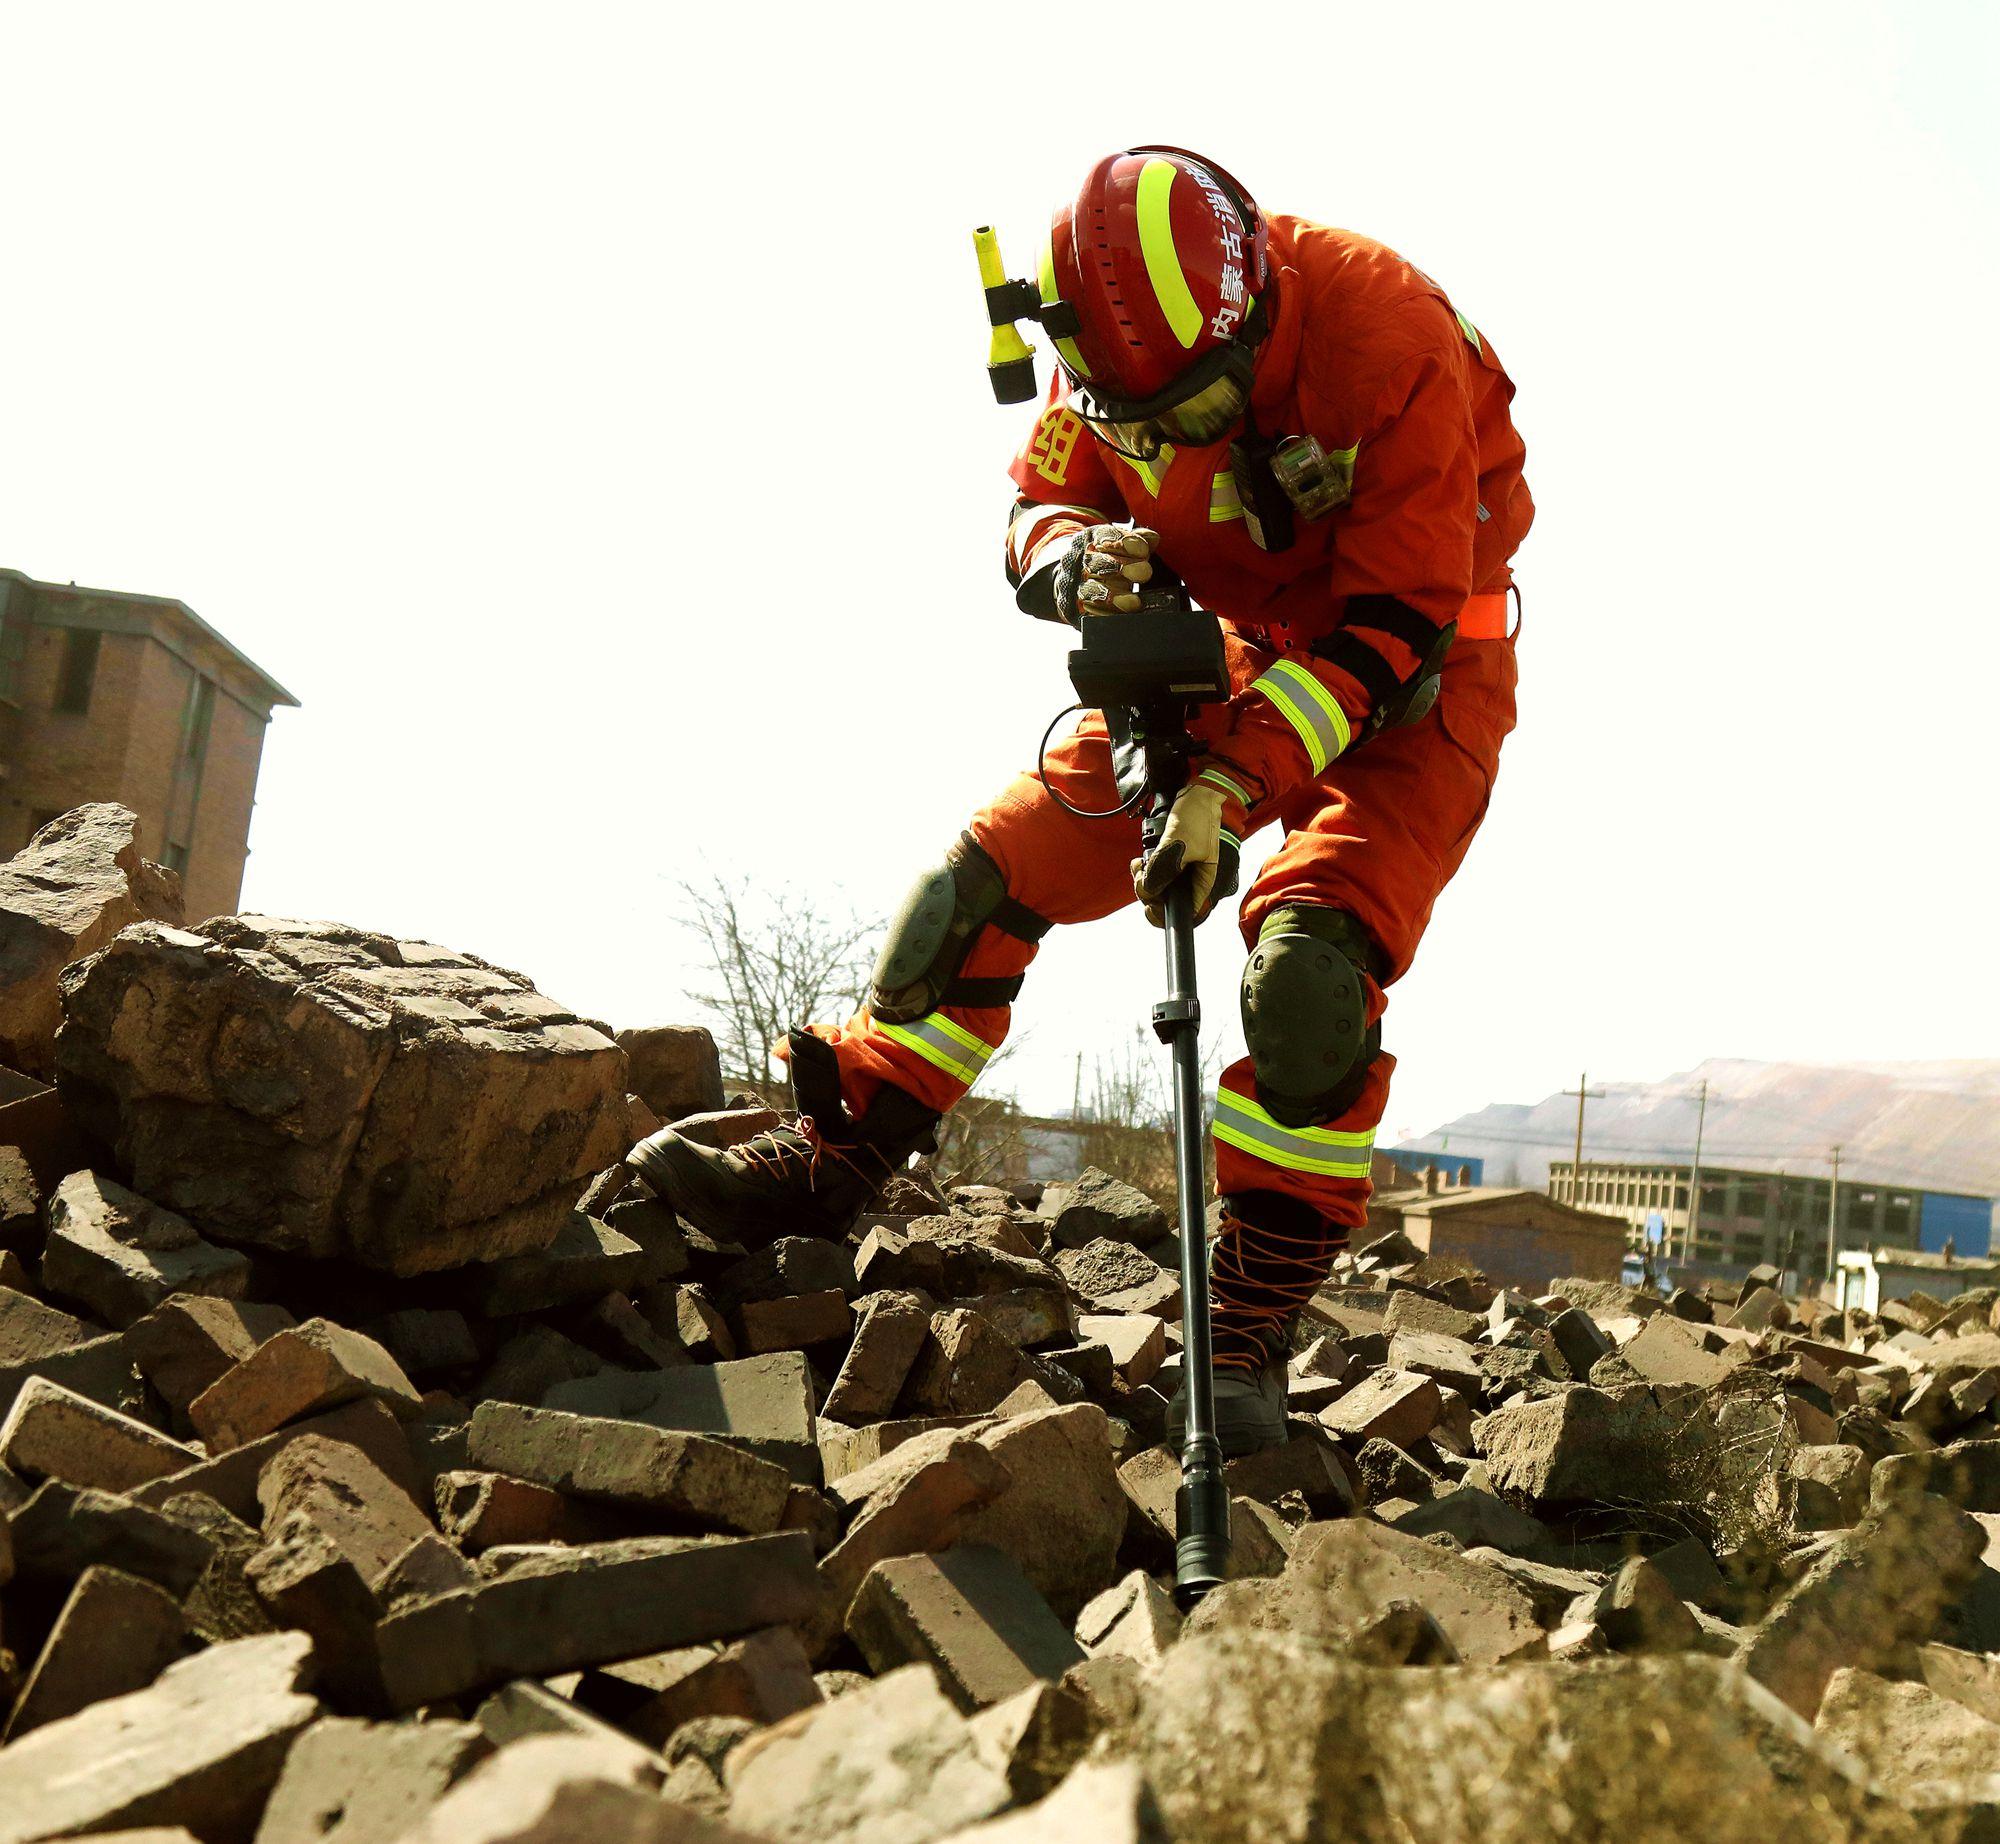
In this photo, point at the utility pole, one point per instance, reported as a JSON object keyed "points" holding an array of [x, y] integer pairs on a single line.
{"points": [[1832, 1213], [1582, 1092], [1694, 1181]]}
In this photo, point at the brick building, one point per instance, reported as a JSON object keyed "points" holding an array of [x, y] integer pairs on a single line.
{"points": [[133, 698], [1517, 1238]]}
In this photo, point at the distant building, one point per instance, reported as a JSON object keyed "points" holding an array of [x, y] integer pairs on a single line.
{"points": [[133, 698], [1867, 1277], [1451, 1168], [1522, 1239], [1749, 1218]]}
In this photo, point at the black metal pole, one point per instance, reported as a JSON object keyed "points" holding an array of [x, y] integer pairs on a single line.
{"points": [[1201, 1522]]}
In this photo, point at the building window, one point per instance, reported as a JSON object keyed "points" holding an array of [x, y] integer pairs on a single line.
{"points": [[1750, 1203], [79, 670]]}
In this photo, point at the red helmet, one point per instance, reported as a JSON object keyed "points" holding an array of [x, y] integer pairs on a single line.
{"points": [[1161, 262]]}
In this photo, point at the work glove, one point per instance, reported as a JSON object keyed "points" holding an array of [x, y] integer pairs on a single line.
{"points": [[1191, 842], [1102, 569]]}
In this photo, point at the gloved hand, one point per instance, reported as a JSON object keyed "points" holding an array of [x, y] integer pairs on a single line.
{"points": [[1192, 841], [1102, 569]]}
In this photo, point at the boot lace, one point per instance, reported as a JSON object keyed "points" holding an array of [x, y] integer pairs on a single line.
{"points": [[802, 1142], [1262, 1279]]}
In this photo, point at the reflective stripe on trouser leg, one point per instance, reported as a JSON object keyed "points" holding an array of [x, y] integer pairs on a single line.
{"points": [[941, 1041], [1263, 1273], [1061, 867]]}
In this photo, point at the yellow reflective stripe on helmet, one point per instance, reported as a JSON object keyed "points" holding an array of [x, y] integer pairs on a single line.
{"points": [[1156, 245], [1217, 779], [1067, 347], [945, 1042], [1326, 1151], [1309, 708]]}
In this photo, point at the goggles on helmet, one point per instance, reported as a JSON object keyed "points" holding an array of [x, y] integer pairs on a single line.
{"points": [[1198, 408]]}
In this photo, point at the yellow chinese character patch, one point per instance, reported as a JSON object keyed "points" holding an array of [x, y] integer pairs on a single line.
{"points": [[1054, 444]]}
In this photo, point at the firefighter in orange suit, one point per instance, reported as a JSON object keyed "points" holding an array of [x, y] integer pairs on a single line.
{"points": [[1304, 427]]}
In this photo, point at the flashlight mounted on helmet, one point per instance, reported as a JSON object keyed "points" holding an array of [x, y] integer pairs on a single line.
{"points": [[1010, 362]]}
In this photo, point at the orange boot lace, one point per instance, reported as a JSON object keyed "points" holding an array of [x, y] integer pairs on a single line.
{"points": [[1260, 1280]]}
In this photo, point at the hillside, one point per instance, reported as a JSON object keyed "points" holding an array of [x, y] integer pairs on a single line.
{"points": [[1932, 1125]]}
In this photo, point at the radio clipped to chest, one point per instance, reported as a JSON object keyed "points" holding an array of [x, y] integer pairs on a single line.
{"points": [[1282, 479]]}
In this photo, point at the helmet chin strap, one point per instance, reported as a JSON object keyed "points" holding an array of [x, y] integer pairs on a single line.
{"points": [[1253, 451]]}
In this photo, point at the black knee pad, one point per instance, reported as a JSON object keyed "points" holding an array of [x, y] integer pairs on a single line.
{"points": [[1305, 1013], [933, 932]]}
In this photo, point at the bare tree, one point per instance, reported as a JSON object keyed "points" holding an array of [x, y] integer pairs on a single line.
{"points": [[983, 1141], [778, 959], [1127, 1126]]}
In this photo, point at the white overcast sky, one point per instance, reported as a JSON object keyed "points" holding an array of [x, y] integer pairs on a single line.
{"points": [[581, 409]]}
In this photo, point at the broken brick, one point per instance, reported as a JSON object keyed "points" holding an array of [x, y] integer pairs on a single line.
{"points": [[52, 1433], [298, 1372]]}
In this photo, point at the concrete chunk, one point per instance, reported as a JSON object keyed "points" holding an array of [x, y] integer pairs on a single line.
{"points": [[352, 1501], [119, 1256], [1061, 1513], [1877, 1586], [764, 1404], [335, 1093], [1138, 1344], [925, 1776], [967, 1612], [1397, 1406], [688, 1476], [1137, 1619], [188, 1341], [201, 1747], [912, 1500], [53, 1433], [561, 1609], [116, 1633], [67, 892], [761, 1679], [31, 1331], [231, 1478], [1341, 1575], [352, 1782], [300, 1371], [61, 1531], [888, 1334]]}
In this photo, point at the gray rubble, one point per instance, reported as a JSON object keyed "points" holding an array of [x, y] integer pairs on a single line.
{"points": [[380, 1463]]}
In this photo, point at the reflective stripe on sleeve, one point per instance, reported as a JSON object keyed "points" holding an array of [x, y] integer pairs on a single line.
{"points": [[1309, 708], [1327, 1151], [1031, 528], [943, 1041]]}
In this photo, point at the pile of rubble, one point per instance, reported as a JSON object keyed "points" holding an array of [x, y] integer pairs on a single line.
{"points": [[380, 1463]]}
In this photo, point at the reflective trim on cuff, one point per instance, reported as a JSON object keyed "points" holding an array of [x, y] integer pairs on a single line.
{"points": [[1309, 708], [1326, 1151], [1234, 789], [944, 1042]]}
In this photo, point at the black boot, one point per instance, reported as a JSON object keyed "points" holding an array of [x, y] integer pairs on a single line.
{"points": [[811, 1176], [1249, 1404], [1273, 1252]]}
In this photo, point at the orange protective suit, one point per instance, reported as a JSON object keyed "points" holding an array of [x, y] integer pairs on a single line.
{"points": [[1368, 356]]}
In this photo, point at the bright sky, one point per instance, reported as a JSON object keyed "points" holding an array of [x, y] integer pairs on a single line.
{"points": [[582, 410]]}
